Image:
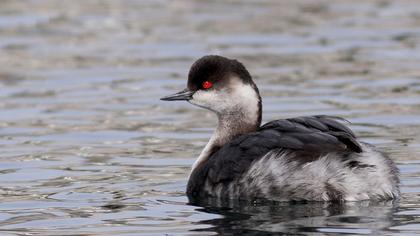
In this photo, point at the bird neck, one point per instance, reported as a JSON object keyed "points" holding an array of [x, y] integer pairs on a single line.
{"points": [[245, 118], [233, 125]]}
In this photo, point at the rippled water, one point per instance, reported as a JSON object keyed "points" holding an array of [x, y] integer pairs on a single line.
{"points": [[87, 148]]}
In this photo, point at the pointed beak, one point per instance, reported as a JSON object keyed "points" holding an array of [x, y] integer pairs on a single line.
{"points": [[185, 94]]}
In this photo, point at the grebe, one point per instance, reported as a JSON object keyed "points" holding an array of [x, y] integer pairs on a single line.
{"points": [[312, 158]]}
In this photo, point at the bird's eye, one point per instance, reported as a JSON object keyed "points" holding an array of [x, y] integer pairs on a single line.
{"points": [[206, 84]]}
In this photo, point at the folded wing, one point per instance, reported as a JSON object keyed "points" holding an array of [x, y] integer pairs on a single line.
{"points": [[305, 138]]}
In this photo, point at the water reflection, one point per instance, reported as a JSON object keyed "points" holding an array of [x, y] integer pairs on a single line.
{"points": [[311, 218]]}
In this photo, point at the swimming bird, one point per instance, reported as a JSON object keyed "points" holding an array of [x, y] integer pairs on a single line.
{"points": [[309, 158]]}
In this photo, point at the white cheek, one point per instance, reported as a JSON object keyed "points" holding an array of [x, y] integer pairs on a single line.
{"points": [[214, 100], [236, 97]]}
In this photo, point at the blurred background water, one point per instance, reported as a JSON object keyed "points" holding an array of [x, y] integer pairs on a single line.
{"points": [[87, 148]]}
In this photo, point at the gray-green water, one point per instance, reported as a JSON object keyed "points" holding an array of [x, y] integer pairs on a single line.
{"points": [[87, 148]]}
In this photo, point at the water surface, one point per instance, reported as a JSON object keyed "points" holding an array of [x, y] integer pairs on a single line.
{"points": [[87, 148]]}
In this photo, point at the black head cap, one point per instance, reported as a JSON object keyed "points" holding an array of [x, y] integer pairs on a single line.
{"points": [[216, 69]]}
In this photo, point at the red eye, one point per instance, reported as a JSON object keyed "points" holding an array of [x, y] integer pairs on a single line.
{"points": [[206, 84]]}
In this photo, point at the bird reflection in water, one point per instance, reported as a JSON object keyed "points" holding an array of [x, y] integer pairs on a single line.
{"points": [[302, 218]]}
